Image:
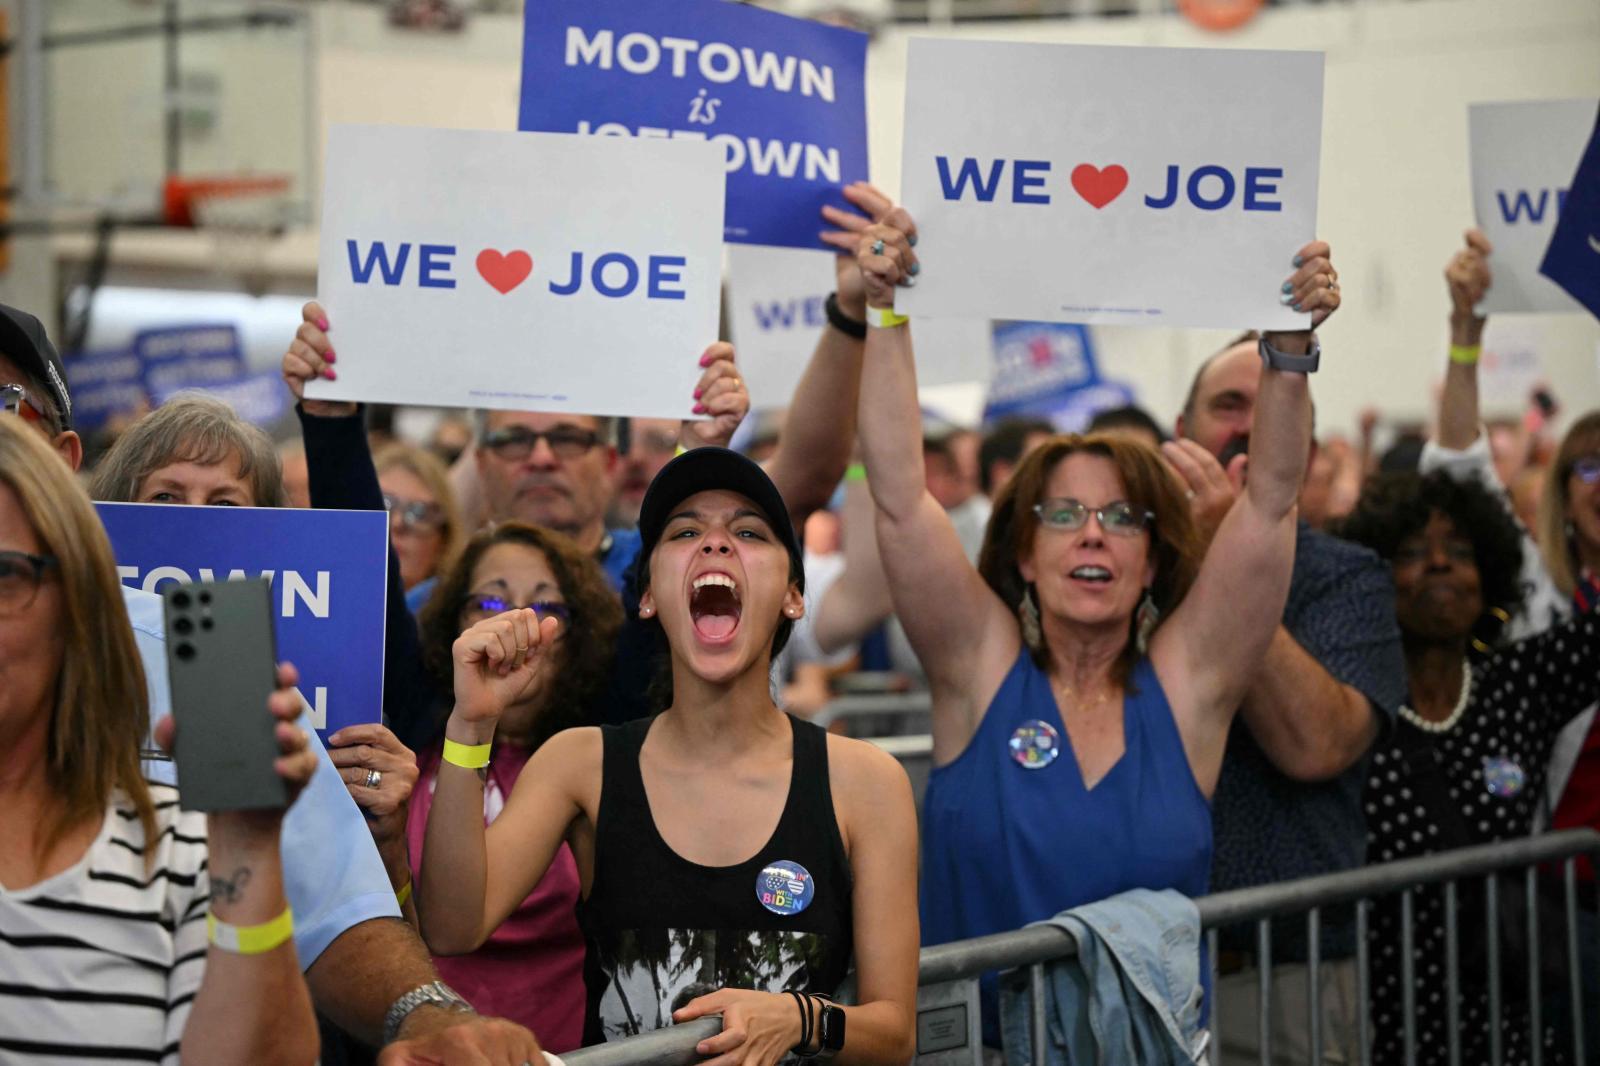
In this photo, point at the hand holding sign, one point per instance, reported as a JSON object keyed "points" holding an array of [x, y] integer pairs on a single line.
{"points": [[360, 751], [310, 356], [500, 661], [847, 239], [883, 252], [721, 394]]}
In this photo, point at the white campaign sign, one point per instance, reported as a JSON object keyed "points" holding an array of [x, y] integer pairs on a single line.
{"points": [[525, 271], [776, 299], [1071, 183], [1523, 157]]}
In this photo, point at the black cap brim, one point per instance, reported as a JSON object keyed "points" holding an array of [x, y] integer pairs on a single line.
{"points": [[704, 470]]}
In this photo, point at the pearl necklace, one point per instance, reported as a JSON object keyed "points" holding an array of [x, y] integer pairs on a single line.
{"points": [[1449, 723]]}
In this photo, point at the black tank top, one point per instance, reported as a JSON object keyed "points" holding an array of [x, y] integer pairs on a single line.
{"points": [[663, 930]]}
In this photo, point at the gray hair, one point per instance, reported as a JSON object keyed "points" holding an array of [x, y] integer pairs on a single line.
{"points": [[196, 428], [607, 427]]}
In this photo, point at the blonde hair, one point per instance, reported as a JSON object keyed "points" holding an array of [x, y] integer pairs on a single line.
{"points": [[193, 428], [1555, 544], [102, 713], [427, 468]]}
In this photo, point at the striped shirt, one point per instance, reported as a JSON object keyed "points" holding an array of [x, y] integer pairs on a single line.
{"points": [[101, 962]]}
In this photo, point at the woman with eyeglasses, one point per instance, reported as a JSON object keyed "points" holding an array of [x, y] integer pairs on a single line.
{"points": [[424, 522], [1084, 675]]}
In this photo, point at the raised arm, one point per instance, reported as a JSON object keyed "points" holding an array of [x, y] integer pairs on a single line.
{"points": [[1468, 277], [1218, 636], [962, 632], [472, 879], [858, 601]]}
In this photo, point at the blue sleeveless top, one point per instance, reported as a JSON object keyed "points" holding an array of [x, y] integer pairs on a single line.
{"points": [[1004, 845]]}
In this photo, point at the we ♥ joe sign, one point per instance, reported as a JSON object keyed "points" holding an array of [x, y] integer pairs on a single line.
{"points": [[1126, 186], [521, 271]]}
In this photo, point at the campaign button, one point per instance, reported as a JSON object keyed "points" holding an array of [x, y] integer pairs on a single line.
{"points": [[1035, 745], [785, 888], [1502, 777]]}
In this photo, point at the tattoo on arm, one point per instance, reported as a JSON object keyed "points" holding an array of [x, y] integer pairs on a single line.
{"points": [[230, 890]]}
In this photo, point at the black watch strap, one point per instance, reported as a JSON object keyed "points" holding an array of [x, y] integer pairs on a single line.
{"points": [[842, 322], [830, 1034], [1295, 364]]}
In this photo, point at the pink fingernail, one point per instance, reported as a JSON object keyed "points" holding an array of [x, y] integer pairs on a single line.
{"points": [[699, 408], [330, 357], [330, 374], [705, 360], [697, 393], [322, 324]]}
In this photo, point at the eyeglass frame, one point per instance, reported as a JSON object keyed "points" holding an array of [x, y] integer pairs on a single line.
{"points": [[39, 563], [495, 442], [1148, 517], [14, 400], [1592, 461], [543, 608], [411, 514]]}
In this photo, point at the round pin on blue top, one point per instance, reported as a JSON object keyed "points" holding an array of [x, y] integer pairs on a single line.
{"points": [[785, 887], [1503, 777], [1035, 744]]}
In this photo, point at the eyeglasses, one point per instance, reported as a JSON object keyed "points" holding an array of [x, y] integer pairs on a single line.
{"points": [[1587, 468], [417, 515], [14, 401], [21, 574], [516, 443], [1120, 518], [485, 605]]}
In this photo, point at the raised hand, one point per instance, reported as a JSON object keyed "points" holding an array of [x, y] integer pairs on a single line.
{"points": [[1468, 277], [311, 356], [720, 393], [498, 662], [1212, 489], [878, 270]]}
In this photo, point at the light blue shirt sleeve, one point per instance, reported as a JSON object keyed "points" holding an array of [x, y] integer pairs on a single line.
{"points": [[331, 869]]}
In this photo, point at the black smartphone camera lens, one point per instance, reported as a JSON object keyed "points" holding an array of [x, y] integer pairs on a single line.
{"points": [[183, 626], [184, 651], [206, 624], [180, 599], [205, 597]]}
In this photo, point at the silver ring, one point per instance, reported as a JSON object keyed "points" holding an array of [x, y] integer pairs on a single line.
{"points": [[877, 247], [373, 778], [1191, 494]]}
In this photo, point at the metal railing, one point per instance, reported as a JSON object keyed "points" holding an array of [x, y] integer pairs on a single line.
{"points": [[1034, 946]]}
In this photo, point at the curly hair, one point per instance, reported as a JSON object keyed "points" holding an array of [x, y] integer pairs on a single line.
{"points": [[1175, 544], [1396, 506], [588, 639]]}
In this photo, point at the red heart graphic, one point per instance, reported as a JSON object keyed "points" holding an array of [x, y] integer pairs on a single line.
{"points": [[1097, 186], [504, 272]]}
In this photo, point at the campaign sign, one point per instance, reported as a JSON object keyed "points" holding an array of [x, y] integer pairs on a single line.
{"points": [[1573, 258], [104, 384], [777, 311], [1132, 186], [1037, 366], [260, 398], [1523, 157], [329, 573], [182, 357], [522, 271], [783, 99]]}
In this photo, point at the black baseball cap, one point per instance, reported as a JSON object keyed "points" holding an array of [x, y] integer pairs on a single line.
{"points": [[702, 470], [23, 341]]}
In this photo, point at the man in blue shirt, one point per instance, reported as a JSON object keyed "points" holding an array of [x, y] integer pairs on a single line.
{"points": [[367, 971]]}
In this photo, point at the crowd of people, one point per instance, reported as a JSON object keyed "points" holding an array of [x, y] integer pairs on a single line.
{"points": [[1224, 655]]}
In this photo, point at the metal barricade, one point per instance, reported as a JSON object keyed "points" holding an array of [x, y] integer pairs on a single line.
{"points": [[949, 1029], [879, 714]]}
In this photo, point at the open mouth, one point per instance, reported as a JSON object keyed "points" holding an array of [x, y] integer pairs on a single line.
{"points": [[1095, 575], [714, 606]]}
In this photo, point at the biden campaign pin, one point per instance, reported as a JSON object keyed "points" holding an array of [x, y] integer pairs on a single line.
{"points": [[1035, 745], [785, 887], [1503, 777]]}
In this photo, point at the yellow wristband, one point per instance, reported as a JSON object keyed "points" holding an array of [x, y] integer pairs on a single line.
{"points": [[401, 897], [467, 756], [885, 318], [250, 939], [855, 472], [1465, 354], [681, 451]]}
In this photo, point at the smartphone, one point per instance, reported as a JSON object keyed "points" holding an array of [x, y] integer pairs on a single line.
{"points": [[222, 666]]}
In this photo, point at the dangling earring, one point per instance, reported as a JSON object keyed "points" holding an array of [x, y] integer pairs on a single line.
{"points": [[1501, 620], [1028, 617], [1144, 620]]}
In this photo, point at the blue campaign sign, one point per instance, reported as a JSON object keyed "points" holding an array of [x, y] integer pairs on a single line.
{"points": [[784, 97], [329, 572], [1573, 258], [104, 384], [1038, 366], [192, 356], [261, 397]]}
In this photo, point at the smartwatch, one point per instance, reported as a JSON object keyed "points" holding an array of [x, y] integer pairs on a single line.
{"points": [[830, 1031], [1294, 364]]}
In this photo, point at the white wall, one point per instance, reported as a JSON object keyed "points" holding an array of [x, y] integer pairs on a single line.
{"points": [[1395, 184]]}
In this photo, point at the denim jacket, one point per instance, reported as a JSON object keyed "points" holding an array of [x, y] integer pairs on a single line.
{"points": [[1130, 994]]}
